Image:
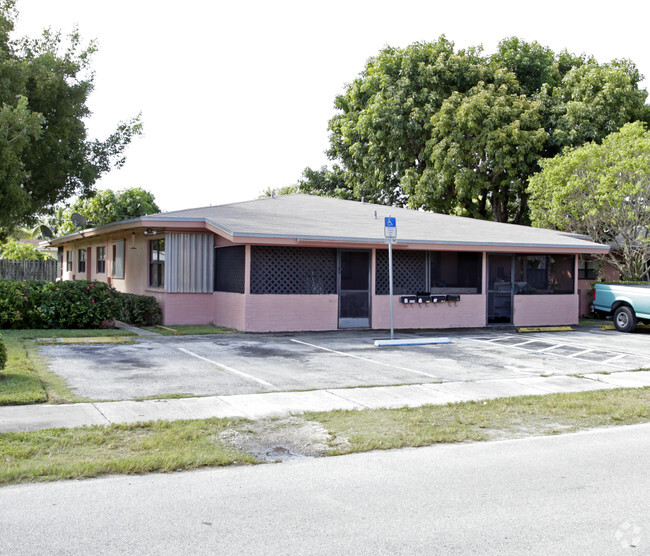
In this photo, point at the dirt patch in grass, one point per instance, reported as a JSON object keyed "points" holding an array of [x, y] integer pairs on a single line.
{"points": [[273, 440]]}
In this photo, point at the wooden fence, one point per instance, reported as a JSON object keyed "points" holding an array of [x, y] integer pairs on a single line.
{"points": [[28, 270]]}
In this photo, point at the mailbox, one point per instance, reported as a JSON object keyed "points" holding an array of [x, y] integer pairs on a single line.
{"points": [[453, 297], [438, 298]]}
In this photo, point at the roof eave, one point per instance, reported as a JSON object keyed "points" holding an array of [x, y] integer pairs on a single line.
{"points": [[148, 221]]}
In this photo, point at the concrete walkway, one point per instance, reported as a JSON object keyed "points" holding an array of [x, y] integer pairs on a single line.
{"points": [[135, 329], [275, 404]]}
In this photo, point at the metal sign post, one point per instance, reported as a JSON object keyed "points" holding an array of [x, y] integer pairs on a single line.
{"points": [[390, 237]]}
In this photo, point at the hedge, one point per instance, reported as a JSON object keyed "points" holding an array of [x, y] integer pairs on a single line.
{"points": [[140, 309], [71, 304]]}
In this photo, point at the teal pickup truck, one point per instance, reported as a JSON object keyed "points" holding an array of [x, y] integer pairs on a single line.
{"points": [[628, 303]]}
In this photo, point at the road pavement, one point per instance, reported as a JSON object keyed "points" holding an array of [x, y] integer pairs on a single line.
{"points": [[583, 493]]}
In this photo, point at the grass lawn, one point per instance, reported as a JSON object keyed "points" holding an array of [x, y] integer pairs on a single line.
{"points": [[168, 446], [92, 451], [359, 431], [188, 329], [25, 379]]}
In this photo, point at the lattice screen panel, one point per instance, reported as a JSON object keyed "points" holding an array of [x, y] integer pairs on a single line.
{"points": [[409, 272], [230, 269], [293, 270]]}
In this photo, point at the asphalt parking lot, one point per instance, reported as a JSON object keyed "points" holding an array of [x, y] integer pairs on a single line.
{"points": [[247, 363]]}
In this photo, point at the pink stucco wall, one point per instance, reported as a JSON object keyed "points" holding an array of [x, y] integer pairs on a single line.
{"points": [[220, 308], [540, 310], [184, 308], [229, 310], [284, 313], [585, 295], [466, 313]]}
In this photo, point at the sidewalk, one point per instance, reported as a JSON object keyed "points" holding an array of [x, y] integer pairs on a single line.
{"points": [[275, 404]]}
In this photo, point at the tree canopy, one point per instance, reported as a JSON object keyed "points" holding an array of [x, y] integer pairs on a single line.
{"points": [[483, 144], [603, 191], [104, 207], [14, 249], [457, 131], [45, 154]]}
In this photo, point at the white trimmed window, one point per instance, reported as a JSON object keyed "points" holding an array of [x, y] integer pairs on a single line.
{"points": [[118, 259]]}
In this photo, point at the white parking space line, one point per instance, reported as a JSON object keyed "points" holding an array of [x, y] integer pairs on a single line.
{"points": [[617, 357], [524, 343], [548, 348], [366, 359], [526, 372], [226, 368], [575, 355], [516, 346], [577, 344]]}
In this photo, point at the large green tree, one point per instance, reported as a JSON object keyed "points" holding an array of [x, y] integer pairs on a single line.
{"points": [[603, 191], [328, 182], [592, 101], [483, 145], [45, 153], [431, 127], [104, 207], [384, 117]]}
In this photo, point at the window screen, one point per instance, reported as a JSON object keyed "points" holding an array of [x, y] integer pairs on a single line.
{"points": [[455, 272], [544, 274], [229, 269]]}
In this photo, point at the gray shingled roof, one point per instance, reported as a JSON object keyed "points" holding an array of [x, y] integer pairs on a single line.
{"points": [[324, 218]]}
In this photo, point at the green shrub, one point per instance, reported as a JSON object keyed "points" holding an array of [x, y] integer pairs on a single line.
{"points": [[3, 354], [14, 303], [78, 304], [140, 309], [69, 304]]}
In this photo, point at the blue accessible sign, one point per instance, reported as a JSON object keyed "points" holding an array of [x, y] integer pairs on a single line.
{"points": [[390, 227]]}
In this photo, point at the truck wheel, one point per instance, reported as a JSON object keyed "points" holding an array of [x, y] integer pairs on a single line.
{"points": [[624, 319]]}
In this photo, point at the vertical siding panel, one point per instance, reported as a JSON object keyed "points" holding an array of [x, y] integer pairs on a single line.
{"points": [[189, 266]]}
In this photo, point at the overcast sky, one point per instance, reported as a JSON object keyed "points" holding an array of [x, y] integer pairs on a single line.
{"points": [[235, 96]]}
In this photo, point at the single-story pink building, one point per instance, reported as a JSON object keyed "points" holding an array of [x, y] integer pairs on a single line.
{"points": [[300, 262]]}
